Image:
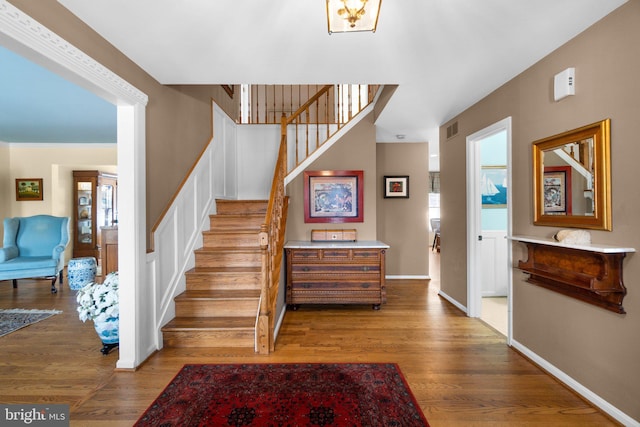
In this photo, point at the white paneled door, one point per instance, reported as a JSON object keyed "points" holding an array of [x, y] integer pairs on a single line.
{"points": [[494, 263]]}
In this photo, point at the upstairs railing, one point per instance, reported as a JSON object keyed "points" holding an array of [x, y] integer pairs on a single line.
{"points": [[314, 112], [266, 104], [324, 114], [312, 124]]}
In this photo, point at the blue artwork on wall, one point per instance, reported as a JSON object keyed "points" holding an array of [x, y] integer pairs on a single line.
{"points": [[493, 186]]}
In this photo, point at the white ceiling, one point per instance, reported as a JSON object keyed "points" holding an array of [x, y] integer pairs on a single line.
{"points": [[445, 55]]}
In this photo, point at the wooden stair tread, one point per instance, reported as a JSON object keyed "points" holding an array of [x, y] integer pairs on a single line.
{"points": [[225, 207], [216, 294], [209, 323], [237, 215], [220, 305], [238, 249], [223, 270], [233, 230]]}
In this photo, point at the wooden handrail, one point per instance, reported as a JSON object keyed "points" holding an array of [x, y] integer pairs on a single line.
{"points": [[304, 107], [271, 238]]}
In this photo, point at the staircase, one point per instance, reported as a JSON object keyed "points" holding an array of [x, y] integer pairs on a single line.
{"points": [[222, 298], [231, 295]]}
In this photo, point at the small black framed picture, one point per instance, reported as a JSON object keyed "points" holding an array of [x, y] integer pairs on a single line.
{"points": [[396, 186]]}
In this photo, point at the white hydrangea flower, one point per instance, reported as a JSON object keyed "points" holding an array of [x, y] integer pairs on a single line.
{"points": [[99, 301]]}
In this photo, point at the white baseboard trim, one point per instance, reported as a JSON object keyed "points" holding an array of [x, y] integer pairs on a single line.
{"points": [[576, 386], [420, 277], [453, 301]]}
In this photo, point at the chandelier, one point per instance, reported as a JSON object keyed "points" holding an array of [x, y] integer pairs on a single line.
{"points": [[352, 15]]}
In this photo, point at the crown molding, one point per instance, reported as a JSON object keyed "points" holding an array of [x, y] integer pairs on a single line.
{"points": [[20, 31], [62, 145]]}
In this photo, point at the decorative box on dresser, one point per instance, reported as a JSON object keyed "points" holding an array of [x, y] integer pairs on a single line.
{"points": [[335, 273]]}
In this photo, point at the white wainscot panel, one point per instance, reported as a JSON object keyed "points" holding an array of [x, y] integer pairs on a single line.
{"points": [[204, 186], [217, 152], [187, 219], [167, 259], [230, 160], [257, 154]]}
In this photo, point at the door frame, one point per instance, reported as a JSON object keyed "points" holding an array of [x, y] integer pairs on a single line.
{"points": [[474, 228], [27, 37]]}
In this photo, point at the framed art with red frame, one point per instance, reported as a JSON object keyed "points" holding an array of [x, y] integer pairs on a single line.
{"points": [[333, 196], [557, 190]]}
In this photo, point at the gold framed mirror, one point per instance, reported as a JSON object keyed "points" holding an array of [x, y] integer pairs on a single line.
{"points": [[572, 178]]}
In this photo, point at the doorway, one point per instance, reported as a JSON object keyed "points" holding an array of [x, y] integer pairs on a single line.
{"points": [[489, 225], [52, 52]]}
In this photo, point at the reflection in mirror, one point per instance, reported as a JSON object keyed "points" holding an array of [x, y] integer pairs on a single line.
{"points": [[568, 179], [572, 178]]}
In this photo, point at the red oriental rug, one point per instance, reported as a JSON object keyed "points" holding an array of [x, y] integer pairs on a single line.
{"points": [[310, 394]]}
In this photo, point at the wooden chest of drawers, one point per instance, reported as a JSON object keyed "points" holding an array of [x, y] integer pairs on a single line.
{"points": [[336, 273]]}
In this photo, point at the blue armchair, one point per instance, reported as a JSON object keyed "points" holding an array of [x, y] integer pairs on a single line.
{"points": [[34, 247]]}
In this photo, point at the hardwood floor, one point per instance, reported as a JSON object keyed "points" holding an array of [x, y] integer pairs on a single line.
{"points": [[459, 369]]}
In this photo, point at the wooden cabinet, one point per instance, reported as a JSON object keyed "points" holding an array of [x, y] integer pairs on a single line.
{"points": [[336, 273], [94, 198], [109, 240]]}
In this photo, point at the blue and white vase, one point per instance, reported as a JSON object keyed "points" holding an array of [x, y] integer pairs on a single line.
{"points": [[109, 333], [81, 272]]}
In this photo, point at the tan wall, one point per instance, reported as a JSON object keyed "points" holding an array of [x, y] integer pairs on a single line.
{"points": [[597, 348], [178, 119], [402, 223], [383, 99], [355, 151]]}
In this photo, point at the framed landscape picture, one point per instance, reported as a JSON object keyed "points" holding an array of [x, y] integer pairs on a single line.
{"points": [[333, 196], [28, 189]]}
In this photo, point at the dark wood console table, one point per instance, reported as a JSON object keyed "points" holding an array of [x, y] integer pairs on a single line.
{"points": [[590, 273], [335, 273]]}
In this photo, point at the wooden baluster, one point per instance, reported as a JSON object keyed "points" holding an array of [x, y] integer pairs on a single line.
{"points": [[297, 145], [317, 104], [306, 112]]}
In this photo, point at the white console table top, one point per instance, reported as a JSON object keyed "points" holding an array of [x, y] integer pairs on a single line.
{"points": [[607, 249], [307, 244]]}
